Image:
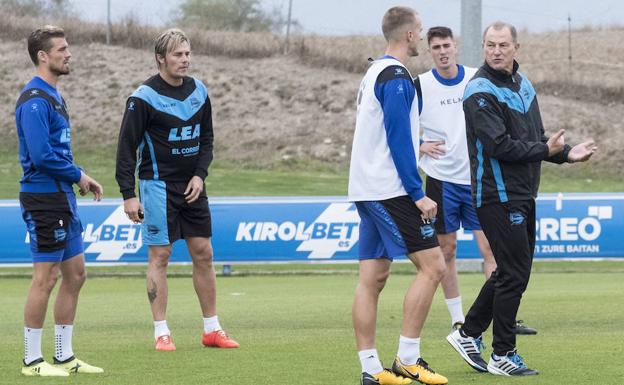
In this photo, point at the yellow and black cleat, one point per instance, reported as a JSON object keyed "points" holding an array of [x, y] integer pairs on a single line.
{"points": [[41, 368], [385, 377], [74, 365], [420, 372]]}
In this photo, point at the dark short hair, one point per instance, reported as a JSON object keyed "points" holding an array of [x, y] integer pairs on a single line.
{"points": [[440, 32], [498, 25], [394, 19], [39, 40]]}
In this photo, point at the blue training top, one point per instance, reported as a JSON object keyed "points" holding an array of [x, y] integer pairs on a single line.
{"points": [[43, 131]]}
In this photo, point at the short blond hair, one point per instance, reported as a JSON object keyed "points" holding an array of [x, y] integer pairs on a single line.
{"points": [[168, 41], [395, 19]]}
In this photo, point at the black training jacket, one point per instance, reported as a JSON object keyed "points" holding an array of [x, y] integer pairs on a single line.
{"points": [[506, 141]]}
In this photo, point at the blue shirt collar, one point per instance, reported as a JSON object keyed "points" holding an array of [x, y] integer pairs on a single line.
{"points": [[450, 82], [387, 57], [43, 84]]}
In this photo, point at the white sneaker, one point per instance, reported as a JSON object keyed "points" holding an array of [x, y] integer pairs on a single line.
{"points": [[469, 349], [511, 364]]}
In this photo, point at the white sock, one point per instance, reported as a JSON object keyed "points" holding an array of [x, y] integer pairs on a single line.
{"points": [[32, 344], [409, 350], [370, 361], [455, 309], [211, 324], [161, 329], [63, 342]]}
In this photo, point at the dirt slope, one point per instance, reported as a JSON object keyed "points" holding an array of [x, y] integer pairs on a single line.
{"points": [[266, 111]]}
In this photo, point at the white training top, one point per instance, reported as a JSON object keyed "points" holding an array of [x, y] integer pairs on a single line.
{"points": [[373, 173], [442, 118]]}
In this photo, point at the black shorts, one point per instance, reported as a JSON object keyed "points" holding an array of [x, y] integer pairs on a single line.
{"points": [[168, 217], [393, 227], [54, 228]]}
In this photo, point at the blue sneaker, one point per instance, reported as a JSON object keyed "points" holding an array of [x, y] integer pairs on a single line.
{"points": [[511, 364]]}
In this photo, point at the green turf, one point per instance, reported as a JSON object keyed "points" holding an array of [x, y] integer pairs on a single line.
{"points": [[299, 178], [225, 179], [238, 270], [297, 330]]}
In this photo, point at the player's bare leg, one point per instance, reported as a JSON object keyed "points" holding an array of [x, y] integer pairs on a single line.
{"points": [[45, 275], [157, 293], [489, 263], [205, 283], [73, 277], [431, 269], [409, 363], [372, 279], [450, 281], [157, 289], [448, 245], [204, 278]]}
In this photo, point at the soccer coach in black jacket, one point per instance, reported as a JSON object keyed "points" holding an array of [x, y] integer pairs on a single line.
{"points": [[506, 144]]}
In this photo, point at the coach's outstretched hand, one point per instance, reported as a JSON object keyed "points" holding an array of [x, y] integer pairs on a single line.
{"points": [[87, 184], [193, 189], [582, 151], [134, 210]]}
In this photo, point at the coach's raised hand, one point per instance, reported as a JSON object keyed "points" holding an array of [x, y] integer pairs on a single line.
{"points": [[556, 143], [582, 151]]}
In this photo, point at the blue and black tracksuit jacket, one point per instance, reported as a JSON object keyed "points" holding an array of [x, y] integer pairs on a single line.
{"points": [[43, 132], [506, 141], [171, 130]]}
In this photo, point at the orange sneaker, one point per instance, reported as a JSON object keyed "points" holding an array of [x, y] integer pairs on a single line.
{"points": [[165, 343], [218, 339]]}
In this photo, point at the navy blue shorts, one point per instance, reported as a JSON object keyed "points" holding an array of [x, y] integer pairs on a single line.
{"points": [[53, 225], [392, 228], [167, 215], [454, 206]]}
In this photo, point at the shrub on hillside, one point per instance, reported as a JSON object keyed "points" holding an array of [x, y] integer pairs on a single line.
{"points": [[130, 33], [229, 15]]}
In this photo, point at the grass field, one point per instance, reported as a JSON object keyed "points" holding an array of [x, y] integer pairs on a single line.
{"points": [[228, 179], [225, 179], [296, 329]]}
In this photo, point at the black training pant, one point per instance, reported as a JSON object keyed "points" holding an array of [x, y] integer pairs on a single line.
{"points": [[510, 229]]}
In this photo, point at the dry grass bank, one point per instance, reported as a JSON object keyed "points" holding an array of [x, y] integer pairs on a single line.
{"points": [[133, 35]]}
